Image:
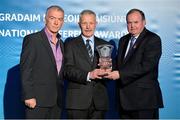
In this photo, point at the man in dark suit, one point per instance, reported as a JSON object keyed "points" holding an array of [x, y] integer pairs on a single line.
{"points": [[137, 70], [41, 67], [86, 96]]}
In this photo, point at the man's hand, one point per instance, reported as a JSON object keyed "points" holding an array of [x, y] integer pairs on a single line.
{"points": [[31, 103], [114, 75], [98, 73]]}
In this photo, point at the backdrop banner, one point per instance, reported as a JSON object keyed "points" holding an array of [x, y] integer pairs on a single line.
{"points": [[19, 18]]}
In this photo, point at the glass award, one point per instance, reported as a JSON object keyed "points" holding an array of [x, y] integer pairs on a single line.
{"points": [[105, 51]]}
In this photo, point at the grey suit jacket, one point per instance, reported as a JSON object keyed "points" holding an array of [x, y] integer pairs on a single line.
{"points": [[80, 93]]}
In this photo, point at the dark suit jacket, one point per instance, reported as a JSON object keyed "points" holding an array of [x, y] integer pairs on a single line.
{"points": [[39, 75], [138, 85], [80, 92]]}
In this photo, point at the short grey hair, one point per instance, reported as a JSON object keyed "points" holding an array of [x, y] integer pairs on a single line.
{"points": [[90, 12], [56, 7]]}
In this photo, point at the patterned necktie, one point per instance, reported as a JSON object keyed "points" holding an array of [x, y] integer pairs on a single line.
{"points": [[89, 50], [130, 45]]}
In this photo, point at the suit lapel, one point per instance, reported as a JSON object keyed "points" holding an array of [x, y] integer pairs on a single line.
{"points": [[62, 51], [122, 49], [135, 46], [96, 55], [61, 46], [82, 49], [45, 42]]}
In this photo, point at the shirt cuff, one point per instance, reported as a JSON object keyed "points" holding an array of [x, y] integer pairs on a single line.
{"points": [[88, 79]]}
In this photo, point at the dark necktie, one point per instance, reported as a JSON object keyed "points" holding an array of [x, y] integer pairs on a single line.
{"points": [[89, 50]]}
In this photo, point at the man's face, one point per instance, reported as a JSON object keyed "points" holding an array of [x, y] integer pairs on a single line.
{"points": [[88, 25], [135, 23], [54, 20]]}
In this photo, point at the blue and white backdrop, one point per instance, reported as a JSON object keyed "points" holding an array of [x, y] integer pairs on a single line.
{"points": [[21, 17]]}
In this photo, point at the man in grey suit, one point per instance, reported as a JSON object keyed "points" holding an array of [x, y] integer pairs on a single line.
{"points": [[137, 70], [41, 67], [86, 96]]}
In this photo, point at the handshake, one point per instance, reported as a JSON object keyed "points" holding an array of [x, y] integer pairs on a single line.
{"points": [[105, 70]]}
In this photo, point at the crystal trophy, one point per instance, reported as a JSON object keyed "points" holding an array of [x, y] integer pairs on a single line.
{"points": [[104, 51]]}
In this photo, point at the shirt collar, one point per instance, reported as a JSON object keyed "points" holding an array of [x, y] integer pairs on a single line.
{"points": [[91, 39], [49, 35], [136, 36]]}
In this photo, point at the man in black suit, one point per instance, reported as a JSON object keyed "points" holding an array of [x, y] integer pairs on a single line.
{"points": [[41, 67], [137, 70], [86, 96]]}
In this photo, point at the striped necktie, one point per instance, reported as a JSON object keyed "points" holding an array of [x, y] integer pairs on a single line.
{"points": [[89, 49]]}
